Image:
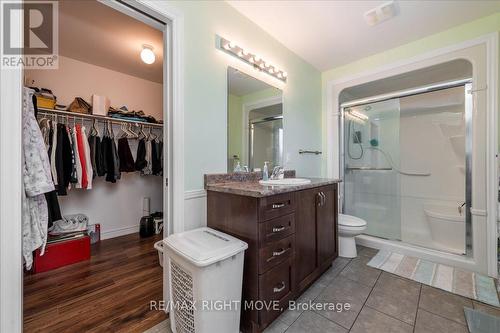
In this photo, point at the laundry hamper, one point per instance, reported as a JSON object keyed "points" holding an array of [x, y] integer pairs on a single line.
{"points": [[205, 279]]}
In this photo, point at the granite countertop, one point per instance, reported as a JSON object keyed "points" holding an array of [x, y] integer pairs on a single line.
{"points": [[252, 188]]}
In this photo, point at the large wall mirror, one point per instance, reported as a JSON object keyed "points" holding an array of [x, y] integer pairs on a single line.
{"points": [[254, 122]]}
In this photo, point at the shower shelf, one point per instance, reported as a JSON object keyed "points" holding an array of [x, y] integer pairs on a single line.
{"points": [[368, 169]]}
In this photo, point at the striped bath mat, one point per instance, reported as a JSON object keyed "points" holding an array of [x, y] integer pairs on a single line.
{"points": [[454, 280]]}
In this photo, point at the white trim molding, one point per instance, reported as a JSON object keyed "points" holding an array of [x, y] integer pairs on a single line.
{"points": [[11, 261], [195, 204], [486, 212], [195, 194], [117, 232]]}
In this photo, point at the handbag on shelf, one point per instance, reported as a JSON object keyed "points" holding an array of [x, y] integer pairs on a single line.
{"points": [[79, 105]]}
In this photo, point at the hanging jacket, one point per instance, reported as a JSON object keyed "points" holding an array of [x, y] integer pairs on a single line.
{"points": [[140, 160], [37, 180], [64, 165], [88, 162], [126, 159], [116, 160], [81, 151], [73, 178], [78, 163]]}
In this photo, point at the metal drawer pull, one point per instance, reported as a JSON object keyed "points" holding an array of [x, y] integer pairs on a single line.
{"points": [[278, 229], [280, 289], [277, 254], [278, 205]]}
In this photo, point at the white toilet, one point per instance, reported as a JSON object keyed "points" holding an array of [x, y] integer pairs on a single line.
{"points": [[349, 227]]}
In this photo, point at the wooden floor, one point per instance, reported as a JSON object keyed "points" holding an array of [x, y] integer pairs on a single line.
{"points": [[109, 293]]}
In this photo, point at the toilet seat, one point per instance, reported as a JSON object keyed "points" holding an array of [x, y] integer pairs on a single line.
{"points": [[351, 221]]}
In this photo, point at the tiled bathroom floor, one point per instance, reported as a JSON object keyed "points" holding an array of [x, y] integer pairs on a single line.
{"points": [[380, 302]]}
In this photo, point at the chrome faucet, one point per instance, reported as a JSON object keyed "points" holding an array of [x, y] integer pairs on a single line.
{"points": [[460, 208], [278, 173]]}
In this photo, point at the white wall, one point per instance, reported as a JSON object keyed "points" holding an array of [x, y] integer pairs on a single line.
{"points": [[117, 207]]}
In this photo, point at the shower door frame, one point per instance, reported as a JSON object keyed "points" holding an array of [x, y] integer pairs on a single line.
{"points": [[468, 104]]}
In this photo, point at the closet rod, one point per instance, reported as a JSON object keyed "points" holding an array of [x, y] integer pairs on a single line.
{"points": [[93, 116]]}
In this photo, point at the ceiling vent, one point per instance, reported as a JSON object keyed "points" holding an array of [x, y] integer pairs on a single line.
{"points": [[381, 13]]}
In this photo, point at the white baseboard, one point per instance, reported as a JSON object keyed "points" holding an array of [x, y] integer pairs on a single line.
{"points": [[120, 232], [195, 209], [195, 215]]}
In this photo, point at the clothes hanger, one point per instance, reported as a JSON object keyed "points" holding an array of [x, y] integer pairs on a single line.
{"points": [[131, 134], [111, 130], [94, 130]]}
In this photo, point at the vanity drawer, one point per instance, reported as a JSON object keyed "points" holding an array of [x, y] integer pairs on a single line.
{"points": [[275, 253], [276, 229], [276, 206], [276, 286]]}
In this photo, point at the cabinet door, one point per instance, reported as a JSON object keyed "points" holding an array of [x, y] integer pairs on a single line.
{"points": [[326, 225], [305, 234]]}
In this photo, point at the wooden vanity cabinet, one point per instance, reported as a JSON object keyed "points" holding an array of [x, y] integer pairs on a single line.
{"points": [[291, 240], [315, 233]]}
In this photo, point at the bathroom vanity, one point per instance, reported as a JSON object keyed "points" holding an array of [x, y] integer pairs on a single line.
{"points": [[291, 233]]}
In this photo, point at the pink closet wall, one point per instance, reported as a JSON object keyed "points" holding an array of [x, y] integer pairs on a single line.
{"points": [[76, 78]]}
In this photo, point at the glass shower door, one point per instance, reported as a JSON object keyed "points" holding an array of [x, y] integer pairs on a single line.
{"points": [[371, 156], [407, 171], [266, 142]]}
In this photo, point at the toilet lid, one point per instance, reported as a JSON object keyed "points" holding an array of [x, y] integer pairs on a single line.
{"points": [[351, 221]]}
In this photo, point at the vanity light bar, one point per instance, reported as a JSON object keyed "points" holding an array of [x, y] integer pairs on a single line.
{"points": [[250, 58]]}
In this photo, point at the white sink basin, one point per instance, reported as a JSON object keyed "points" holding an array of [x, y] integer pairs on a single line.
{"points": [[285, 182]]}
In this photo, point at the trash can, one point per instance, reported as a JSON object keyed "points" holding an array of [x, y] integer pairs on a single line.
{"points": [[205, 279]]}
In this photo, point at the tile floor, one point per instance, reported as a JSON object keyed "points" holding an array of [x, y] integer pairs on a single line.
{"points": [[380, 302]]}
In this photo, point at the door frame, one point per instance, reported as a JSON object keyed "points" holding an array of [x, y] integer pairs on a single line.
{"points": [[334, 87], [11, 83]]}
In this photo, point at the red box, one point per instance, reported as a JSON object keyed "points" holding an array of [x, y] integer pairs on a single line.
{"points": [[61, 254]]}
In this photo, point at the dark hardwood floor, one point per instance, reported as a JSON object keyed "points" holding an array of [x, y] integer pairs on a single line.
{"points": [[109, 293]]}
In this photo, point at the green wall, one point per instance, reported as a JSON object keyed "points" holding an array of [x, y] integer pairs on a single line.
{"points": [[206, 90], [235, 124], [445, 38], [455, 35]]}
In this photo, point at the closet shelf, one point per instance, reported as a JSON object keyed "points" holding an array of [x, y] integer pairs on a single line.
{"points": [[102, 118]]}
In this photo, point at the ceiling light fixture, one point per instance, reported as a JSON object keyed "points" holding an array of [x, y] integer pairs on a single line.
{"points": [[250, 58], [147, 54]]}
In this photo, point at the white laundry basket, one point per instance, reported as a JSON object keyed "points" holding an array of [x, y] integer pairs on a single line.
{"points": [[206, 274]]}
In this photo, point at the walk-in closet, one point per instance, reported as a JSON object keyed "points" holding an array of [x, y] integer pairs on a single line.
{"points": [[95, 171]]}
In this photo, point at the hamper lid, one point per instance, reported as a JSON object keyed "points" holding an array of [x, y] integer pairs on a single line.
{"points": [[204, 246]]}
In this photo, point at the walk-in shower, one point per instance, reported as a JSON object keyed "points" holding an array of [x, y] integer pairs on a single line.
{"points": [[406, 165]]}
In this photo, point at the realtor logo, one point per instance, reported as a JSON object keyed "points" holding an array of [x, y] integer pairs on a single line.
{"points": [[29, 34]]}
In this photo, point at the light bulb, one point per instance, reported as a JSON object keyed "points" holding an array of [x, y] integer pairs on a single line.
{"points": [[285, 74], [147, 54], [240, 54], [227, 46], [232, 45], [256, 57], [271, 70]]}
